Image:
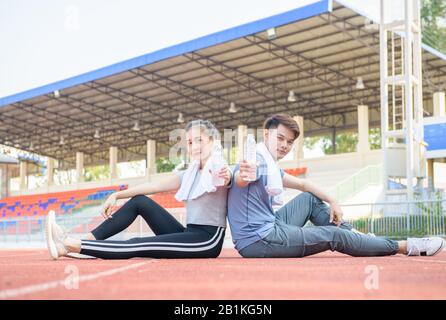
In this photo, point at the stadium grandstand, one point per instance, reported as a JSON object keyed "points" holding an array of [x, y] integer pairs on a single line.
{"points": [[324, 63]]}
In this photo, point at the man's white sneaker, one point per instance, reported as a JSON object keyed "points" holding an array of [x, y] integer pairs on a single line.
{"points": [[54, 237], [429, 246]]}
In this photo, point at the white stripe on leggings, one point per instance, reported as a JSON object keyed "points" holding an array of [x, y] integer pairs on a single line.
{"points": [[173, 248], [105, 244]]}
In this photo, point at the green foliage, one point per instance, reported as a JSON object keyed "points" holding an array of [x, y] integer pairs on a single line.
{"points": [[421, 225], [345, 142], [164, 164], [375, 138], [97, 173], [433, 21]]}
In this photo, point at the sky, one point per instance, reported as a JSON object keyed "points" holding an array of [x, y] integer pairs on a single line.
{"points": [[50, 40]]}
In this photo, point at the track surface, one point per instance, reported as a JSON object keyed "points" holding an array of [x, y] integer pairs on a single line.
{"points": [[30, 274]]}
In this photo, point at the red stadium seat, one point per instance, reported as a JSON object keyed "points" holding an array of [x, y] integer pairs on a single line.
{"points": [[296, 171], [62, 202]]}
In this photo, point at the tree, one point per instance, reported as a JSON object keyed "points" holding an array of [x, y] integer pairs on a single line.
{"points": [[345, 142], [97, 173], [375, 138], [165, 164], [433, 22]]}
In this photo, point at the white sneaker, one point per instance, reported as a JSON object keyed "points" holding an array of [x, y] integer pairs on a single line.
{"points": [[424, 246], [81, 256], [54, 237], [60, 233]]}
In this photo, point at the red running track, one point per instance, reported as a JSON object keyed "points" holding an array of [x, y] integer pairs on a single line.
{"points": [[30, 274]]}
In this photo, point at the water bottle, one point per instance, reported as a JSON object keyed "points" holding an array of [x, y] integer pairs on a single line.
{"points": [[218, 162], [250, 154]]}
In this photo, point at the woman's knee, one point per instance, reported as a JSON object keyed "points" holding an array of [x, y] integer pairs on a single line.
{"points": [[139, 197], [141, 200]]}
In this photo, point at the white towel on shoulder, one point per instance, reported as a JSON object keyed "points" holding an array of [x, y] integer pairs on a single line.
{"points": [[274, 184], [204, 184]]}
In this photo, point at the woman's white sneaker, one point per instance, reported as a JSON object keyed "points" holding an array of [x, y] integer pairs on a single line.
{"points": [[429, 246], [59, 233], [49, 235], [54, 237]]}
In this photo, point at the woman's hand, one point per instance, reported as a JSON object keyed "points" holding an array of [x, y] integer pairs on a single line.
{"points": [[108, 205], [225, 174]]}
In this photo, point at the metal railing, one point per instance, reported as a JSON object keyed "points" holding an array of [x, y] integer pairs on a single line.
{"points": [[399, 219], [370, 175], [32, 229]]}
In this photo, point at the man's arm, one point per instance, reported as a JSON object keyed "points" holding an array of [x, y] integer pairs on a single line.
{"points": [[303, 185]]}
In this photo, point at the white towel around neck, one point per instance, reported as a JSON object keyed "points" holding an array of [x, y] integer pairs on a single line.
{"points": [[204, 184], [274, 184]]}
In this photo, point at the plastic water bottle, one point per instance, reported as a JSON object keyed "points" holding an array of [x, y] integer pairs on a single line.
{"points": [[250, 154], [218, 162]]}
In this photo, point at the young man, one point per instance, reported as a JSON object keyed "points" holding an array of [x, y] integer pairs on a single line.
{"points": [[259, 231]]}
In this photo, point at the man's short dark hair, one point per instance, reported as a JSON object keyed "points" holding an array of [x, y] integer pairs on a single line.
{"points": [[284, 119]]}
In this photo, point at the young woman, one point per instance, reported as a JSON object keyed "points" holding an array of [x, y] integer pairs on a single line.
{"points": [[206, 207]]}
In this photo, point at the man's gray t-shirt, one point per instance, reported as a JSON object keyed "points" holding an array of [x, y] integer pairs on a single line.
{"points": [[210, 208], [250, 212]]}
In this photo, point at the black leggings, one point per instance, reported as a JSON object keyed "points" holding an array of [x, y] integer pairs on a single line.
{"points": [[172, 239]]}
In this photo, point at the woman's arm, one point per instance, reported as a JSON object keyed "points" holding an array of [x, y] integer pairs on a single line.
{"points": [[169, 183]]}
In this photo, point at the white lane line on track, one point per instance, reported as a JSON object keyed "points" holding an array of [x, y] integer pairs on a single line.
{"points": [[20, 255], [13, 293], [419, 260]]}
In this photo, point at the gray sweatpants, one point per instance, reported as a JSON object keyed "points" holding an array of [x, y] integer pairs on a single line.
{"points": [[289, 238]]}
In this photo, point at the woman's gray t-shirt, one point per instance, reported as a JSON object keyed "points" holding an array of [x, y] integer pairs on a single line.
{"points": [[208, 209]]}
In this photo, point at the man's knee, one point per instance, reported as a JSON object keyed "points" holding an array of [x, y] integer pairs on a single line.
{"points": [[305, 196]]}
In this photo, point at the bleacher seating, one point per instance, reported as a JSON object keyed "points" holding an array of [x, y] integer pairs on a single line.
{"points": [[61, 202], [296, 171]]}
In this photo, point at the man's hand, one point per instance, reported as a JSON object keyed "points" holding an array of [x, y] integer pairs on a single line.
{"points": [[247, 170], [335, 213]]}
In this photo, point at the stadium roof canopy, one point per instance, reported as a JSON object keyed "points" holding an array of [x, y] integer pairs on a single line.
{"points": [[318, 51]]}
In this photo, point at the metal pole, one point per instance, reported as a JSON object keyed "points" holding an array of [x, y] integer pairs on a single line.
{"points": [[384, 94]]}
